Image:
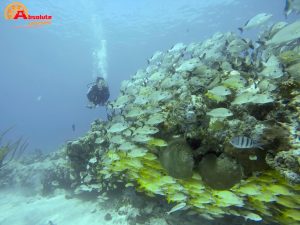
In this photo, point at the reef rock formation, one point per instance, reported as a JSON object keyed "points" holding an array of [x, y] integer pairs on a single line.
{"points": [[177, 159], [287, 163], [221, 172]]}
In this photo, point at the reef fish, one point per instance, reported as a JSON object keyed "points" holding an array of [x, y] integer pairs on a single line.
{"points": [[237, 46], [177, 207], [276, 27], [288, 33], [117, 127], [220, 91], [272, 68], [244, 142], [155, 119], [256, 21], [290, 6], [146, 130], [220, 113]]}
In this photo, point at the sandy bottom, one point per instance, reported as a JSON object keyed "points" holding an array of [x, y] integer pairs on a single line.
{"points": [[17, 209]]}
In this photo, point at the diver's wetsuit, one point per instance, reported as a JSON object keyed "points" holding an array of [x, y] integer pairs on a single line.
{"points": [[97, 95]]}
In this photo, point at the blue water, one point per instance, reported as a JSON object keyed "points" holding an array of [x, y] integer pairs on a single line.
{"points": [[44, 71]]}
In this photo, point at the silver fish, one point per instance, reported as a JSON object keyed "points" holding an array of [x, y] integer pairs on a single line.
{"points": [[290, 6], [256, 21], [244, 142], [177, 207], [288, 33]]}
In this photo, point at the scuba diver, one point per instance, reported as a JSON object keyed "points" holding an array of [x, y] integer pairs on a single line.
{"points": [[98, 93]]}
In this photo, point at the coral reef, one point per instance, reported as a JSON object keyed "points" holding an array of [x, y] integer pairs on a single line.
{"points": [[287, 163], [170, 131], [38, 173], [84, 151]]}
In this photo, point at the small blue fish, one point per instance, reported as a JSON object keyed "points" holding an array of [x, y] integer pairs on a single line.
{"points": [[244, 142], [73, 127], [50, 223]]}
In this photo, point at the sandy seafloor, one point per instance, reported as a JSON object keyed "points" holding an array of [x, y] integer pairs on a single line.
{"points": [[28, 197], [18, 209]]}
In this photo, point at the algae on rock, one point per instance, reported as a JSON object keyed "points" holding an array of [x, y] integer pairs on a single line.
{"points": [[177, 159], [221, 172]]}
